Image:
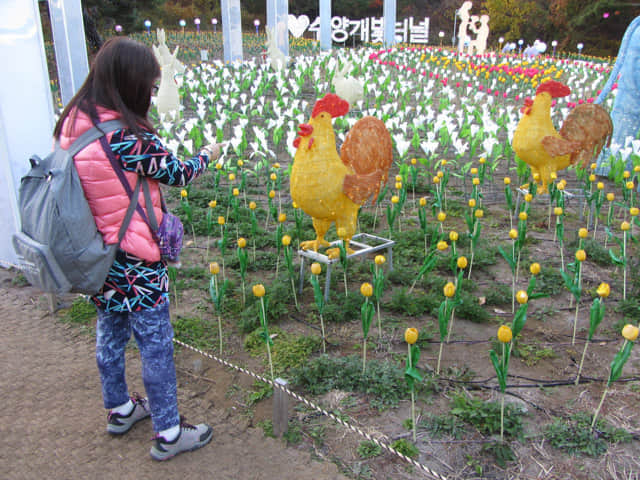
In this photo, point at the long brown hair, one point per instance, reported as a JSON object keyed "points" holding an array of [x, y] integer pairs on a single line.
{"points": [[121, 78]]}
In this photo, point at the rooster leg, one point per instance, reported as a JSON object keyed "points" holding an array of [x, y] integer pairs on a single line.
{"points": [[320, 226], [348, 224]]}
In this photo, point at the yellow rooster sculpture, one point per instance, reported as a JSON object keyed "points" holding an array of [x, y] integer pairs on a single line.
{"points": [[584, 132], [330, 187]]}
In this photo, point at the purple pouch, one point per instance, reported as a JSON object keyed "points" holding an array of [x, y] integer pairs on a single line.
{"points": [[170, 233]]}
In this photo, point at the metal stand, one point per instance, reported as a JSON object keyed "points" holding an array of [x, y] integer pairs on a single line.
{"points": [[362, 243]]}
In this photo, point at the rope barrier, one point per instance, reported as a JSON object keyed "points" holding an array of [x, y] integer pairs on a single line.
{"points": [[308, 403]]}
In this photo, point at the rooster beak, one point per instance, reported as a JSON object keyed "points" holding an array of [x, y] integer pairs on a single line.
{"points": [[305, 129]]}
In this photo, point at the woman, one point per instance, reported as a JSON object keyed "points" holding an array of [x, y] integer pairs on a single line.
{"points": [[135, 294]]}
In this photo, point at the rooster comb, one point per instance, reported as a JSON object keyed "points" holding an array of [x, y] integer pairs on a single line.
{"points": [[332, 104], [554, 88]]}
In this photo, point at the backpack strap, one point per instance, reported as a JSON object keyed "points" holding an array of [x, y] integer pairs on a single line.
{"points": [[93, 134], [133, 204]]}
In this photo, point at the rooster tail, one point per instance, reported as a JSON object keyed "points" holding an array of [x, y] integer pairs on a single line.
{"points": [[358, 188]]}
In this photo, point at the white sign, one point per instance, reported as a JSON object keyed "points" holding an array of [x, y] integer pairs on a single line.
{"points": [[368, 29]]}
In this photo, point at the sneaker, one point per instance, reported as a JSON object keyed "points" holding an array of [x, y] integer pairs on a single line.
{"points": [[190, 438], [118, 424]]}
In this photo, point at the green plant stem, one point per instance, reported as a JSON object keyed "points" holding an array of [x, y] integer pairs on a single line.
{"points": [[293, 289], [584, 352], [595, 415], [344, 278], [379, 320], [504, 366], [439, 358], [413, 399], [220, 332], [575, 324], [264, 316], [324, 347], [364, 354], [624, 271]]}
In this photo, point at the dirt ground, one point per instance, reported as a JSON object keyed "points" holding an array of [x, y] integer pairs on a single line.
{"points": [[54, 423]]}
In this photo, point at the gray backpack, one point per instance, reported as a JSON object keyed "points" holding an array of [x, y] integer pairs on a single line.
{"points": [[59, 247]]}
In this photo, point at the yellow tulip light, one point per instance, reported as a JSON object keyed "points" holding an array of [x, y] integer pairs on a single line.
{"points": [[221, 220], [411, 335], [507, 181], [592, 178], [630, 332], [439, 174], [449, 290], [611, 197], [395, 199], [581, 255], [475, 181], [472, 203], [583, 233], [479, 213], [561, 185], [232, 177], [214, 268], [183, 193], [633, 211], [252, 205], [600, 186], [626, 174], [462, 262], [453, 236], [398, 178], [273, 177], [473, 171], [282, 217], [398, 185], [629, 185], [593, 166], [436, 180], [624, 226], [603, 290], [413, 161], [504, 334], [528, 197], [242, 242], [534, 268], [240, 163], [441, 216], [522, 216], [213, 204], [316, 268], [366, 289], [423, 202], [557, 211], [236, 192], [522, 297], [513, 234], [286, 240], [276, 165], [380, 260], [258, 290], [482, 161], [442, 245], [272, 194]]}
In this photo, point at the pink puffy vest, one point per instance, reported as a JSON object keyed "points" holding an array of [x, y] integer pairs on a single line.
{"points": [[106, 196]]}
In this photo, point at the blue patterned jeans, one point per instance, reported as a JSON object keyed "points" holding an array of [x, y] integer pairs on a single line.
{"points": [[153, 332]]}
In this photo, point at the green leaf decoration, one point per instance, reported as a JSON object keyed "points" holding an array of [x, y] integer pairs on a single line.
{"points": [[596, 315], [499, 371], [618, 362]]}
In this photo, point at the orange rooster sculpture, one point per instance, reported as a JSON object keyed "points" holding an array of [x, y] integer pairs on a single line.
{"points": [[330, 187], [583, 134]]}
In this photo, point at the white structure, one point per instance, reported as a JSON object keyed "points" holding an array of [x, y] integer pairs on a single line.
{"points": [[168, 101], [26, 108], [479, 26]]}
